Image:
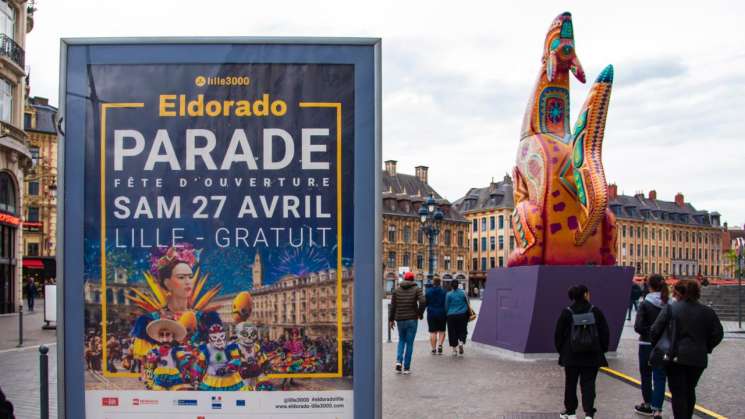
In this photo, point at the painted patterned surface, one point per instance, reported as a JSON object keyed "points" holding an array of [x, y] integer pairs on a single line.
{"points": [[561, 201]]}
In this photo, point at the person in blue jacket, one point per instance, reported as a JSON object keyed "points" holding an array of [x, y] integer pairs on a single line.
{"points": [[436, 319], [456, 307]]}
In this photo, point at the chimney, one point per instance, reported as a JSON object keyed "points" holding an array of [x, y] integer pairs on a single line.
{"points": [[390, 167], [652, 195], [492, 186], [612, 191], [680, 200], [421, 173]]}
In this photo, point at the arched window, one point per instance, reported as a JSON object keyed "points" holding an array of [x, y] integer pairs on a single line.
{"points": [[7, 193]]}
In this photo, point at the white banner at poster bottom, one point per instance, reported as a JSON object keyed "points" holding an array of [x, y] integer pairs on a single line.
{"points": [[103, 404]]}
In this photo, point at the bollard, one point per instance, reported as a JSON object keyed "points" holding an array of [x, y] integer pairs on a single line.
{"points": [[44, 378], [20, 326]]}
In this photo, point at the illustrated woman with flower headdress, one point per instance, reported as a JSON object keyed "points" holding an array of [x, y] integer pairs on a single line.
{"points": [[176, 293]]}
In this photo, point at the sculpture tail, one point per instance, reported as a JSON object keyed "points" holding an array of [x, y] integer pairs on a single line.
{"points": [[592, 190]]}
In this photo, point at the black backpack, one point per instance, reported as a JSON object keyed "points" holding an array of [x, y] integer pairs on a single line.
{"points": [[584, 334]]}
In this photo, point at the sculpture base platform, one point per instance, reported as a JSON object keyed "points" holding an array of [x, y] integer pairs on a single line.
{"points": [[521, 304]]}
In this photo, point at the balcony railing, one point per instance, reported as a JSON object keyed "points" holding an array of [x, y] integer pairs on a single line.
{"points": [[10, 49]]}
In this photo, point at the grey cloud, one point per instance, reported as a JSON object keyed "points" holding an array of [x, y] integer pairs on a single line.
{"points": [[637, 72]]}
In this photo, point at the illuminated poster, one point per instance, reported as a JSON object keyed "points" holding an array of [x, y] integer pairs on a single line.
{"points": [[218, 240]]}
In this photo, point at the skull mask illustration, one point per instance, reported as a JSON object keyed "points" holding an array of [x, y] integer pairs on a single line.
{"points": [[248, 334], [217, 336]]}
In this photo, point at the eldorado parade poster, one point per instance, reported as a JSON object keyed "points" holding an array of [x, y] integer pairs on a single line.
{"points": [[218, 240]]}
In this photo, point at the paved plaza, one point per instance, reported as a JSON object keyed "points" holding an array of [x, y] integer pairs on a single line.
{"points": [[478, 385]]}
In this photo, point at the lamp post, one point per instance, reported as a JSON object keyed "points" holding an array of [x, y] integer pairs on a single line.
{"points": [[430, 216], [739, 246]]}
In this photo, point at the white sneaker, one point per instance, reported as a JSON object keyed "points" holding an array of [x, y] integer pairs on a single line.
{"points": [[398, 367], [568, 416], [455, 351]]}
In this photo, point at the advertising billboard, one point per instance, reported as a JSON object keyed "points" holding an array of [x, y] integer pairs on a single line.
{"points": [[212, 193]]}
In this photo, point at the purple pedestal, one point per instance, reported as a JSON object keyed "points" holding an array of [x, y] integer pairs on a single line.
{"points": [[521, 304]]}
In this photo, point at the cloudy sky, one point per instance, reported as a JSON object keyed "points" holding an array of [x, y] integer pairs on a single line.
{"points": [[456, 80]]}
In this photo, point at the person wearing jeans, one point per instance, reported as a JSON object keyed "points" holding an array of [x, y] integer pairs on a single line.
{"points": [[653, 378], [406, 308]]}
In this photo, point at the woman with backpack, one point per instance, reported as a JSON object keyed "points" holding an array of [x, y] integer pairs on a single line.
{"points": [[692, 330], [581, 339], [650, 308]]}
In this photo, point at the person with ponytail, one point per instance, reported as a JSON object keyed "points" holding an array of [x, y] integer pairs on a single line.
{"points": [[653, 378]]}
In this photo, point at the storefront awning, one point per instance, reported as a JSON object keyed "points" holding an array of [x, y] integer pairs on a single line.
{"points": [[32, 263]]}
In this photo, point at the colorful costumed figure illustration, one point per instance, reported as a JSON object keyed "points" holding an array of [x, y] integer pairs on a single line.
{"points": [[218, 363], [254, 362], [176, 293], [561, 212], [168, 361]]}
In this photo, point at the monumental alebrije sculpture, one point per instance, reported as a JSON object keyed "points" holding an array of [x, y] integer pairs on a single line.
{"points": [[561, 197]]}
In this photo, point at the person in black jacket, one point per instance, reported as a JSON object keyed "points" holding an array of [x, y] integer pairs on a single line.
{"points": [[580, 366], [697, 332], [650, 308], [6, 407]]}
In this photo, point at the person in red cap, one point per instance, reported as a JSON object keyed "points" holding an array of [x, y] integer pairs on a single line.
{"points": [[406, 308]]}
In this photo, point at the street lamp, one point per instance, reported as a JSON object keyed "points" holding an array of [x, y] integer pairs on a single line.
{"points": [[430, 216]]}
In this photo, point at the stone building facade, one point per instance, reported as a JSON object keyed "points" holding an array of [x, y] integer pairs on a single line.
{"points": [[672, 238], [405, 246], [16, 19], [304, 302], [489, 214]]}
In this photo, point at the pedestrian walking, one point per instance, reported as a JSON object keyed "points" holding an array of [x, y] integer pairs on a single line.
{"points": [[30, 290], [693, 331], [436, 318], [581, 339], [457, 309], [406, 308], [6, 407], [636, 293], [653, 378]]}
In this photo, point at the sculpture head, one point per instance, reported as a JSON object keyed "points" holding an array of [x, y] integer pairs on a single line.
{"points": [[559, 54]]}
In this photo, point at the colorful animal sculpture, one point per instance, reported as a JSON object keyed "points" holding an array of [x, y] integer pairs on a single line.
{"points": [[561, 212]]}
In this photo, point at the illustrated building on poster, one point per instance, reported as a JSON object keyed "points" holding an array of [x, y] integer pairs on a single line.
{"points": [[404, 245], [654, 236]]}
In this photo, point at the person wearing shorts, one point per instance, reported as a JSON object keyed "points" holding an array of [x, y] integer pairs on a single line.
{"points": [[436, 319]]}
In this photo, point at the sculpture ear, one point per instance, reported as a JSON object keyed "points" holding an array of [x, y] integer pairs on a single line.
{"points": [[551, 66], [577, 70]]}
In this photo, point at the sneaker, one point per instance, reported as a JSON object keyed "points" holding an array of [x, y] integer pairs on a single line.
{"points": [[460, 349], [439, 350], [434, 351], [407, 371], [398, 367], [567, 415], [643, 409], [455, 351]]}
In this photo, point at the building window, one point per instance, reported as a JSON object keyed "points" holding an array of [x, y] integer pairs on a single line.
{"points": [[391, 259], [653, 235], [646, 267], [623, 249], [406, 235], [623, 231], [475, 264], [7, 193], [407, 259], [32, 249], [420, 261], [7, 20], [447, 238], [501, 222], [420, 236], [631, 250], [391, 234], [33, 188], [638, 232], [460, 239], [501, 261], [501, 242], [512, 242], [33, 214], [638, 249], [6, 99], [475, 225], [492, 243], [460, 263], [653, 249], [34, 154], [475, 245], [483, 244], [483, 224], [492, 223], [492, 262], [483, 264], [631, 231]]}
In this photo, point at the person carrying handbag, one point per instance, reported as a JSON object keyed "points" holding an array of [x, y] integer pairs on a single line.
{"points": [[683, 335], [458, 312]]}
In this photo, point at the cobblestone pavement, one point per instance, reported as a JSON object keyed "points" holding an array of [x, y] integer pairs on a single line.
{"points": [[33, 334], [19, 379]]}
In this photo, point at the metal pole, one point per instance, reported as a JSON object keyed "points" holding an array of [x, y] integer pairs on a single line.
{"points": [[20, 326], [739, 292], [431, 232], [44, 378], [389, 323]]}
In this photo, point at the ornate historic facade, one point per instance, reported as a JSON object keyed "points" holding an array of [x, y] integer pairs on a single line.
{"points": [[489, 213], [306, 302], [672, 238], [16, 19], [405, 246]]}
